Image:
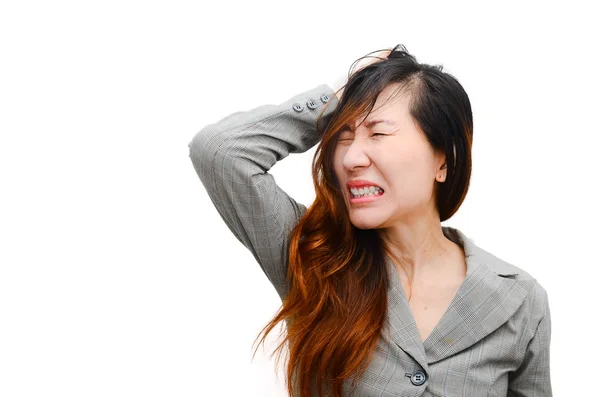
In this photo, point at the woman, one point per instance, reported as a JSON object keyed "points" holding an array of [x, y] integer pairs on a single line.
{"points": [[377, 296]]}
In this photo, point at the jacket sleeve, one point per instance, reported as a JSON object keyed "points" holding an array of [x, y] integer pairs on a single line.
{"points": [[532, 378], [232, 157]]}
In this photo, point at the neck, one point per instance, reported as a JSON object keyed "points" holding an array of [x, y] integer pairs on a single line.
{"points": [[420, 250]]}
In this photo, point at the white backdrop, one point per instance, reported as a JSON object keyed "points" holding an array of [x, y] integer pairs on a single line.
{"points": [[115, 268]]}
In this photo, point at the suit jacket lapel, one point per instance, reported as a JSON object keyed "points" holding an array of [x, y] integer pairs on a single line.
{"points": [[404, 331], [490, 294]]}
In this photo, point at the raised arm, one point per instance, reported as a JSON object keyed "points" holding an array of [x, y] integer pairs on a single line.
{"points": [[232, 157]]}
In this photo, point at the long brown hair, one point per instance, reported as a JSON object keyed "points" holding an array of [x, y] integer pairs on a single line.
{"points": [[337, 302]]}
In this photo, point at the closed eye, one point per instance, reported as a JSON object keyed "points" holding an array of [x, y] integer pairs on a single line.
{"points": [[348, 139]]}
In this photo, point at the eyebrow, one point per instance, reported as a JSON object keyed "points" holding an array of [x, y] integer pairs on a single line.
{"points": [[372, 123]]}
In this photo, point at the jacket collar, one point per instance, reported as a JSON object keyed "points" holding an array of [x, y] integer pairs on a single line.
{"points": [[491, 293]]}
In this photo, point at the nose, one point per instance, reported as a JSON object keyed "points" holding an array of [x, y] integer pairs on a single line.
{"points": [[356, 156]]}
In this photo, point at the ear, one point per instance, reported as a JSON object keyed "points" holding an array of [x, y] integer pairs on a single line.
{"points": [[442, 166], [440, 175]]}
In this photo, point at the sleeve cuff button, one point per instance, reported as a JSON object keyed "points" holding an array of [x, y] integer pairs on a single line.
{"points": [[311, 104]]}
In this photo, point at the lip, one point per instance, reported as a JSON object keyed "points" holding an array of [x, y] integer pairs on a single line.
{"points": [[361, 200], [362, 182]]}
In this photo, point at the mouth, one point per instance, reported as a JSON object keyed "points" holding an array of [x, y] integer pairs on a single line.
{"points": [[365, 195]]}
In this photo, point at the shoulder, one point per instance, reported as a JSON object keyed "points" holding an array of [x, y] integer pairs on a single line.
{"points": [[536, 300], [502, 267], [532, 296]]}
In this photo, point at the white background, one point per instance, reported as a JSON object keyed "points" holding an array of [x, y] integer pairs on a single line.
{"points": [[117, 275]]}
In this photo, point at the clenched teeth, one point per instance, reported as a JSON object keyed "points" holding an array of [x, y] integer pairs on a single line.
{"points": [[366, 191]]}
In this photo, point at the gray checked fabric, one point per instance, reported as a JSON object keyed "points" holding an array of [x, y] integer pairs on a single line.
{"points": [[494, 338]]}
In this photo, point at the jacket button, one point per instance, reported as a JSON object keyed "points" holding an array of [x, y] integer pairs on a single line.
{"points": [[298, 108], [311, 104], [324, 98], [418, 378]]}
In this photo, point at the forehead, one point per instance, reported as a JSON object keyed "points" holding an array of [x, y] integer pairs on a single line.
{"points": [[391, 106]]}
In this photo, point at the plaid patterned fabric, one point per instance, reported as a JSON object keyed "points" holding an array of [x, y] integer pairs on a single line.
{"points": [[494, 338]]}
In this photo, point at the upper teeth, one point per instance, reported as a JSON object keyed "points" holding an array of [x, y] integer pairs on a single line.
{"points": [[367, 190]]}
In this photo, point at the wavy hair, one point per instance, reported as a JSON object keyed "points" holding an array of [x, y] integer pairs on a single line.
{"points": [[336, 306]]}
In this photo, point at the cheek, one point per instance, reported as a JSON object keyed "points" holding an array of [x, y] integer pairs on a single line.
{"points": [[335, 165], [402, 163], [337, 162], [409, 173], [416, 158]]}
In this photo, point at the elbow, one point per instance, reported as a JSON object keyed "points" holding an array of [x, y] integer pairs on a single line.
{"points": [[199, 146], [205, 145], [203, 148]]}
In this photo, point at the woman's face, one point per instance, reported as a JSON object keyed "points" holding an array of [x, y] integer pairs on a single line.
{"points": [[393, 155]]}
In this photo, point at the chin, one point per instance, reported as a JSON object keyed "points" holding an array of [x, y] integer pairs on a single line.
{"points": [[362, 222]]}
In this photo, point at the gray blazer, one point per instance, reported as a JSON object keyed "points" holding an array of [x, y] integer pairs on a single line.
{"points": [[494, 338]]}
